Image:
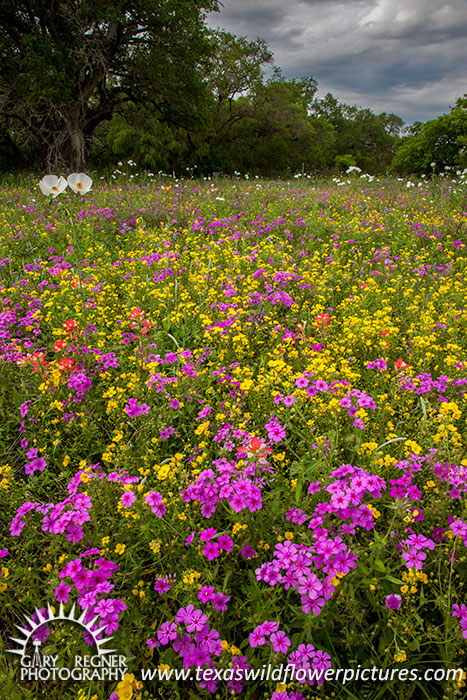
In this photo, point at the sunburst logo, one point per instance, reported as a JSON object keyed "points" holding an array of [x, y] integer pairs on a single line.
{"points": [[33, 626], [104, 664]]}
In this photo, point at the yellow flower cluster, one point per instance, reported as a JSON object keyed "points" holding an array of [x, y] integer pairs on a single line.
{"points": [[411, 577], [129, 687], [5, 471]]}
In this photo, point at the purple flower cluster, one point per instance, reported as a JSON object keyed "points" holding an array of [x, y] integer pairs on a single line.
{"points": [[212, 548], [164, 584], [393, 601], [108, 361], [291, 567], [24, 408], [156, 503], [294, 565], [455, 475], [285, 695], [218, 600], [286, 400], [276, 432], [15, 321], [404, 487], [80, 383], [42, 632], [461, 611], [308, 662], [379, 363], [414, 556], [318, 386], [128, 498], [166, 433], [353, 401], [349, 486], [235, 486], [68, 516], [247, 552], [35, 463], [459, 527], [296, 515], [134, 409], [204, 413], [190, 636], [278, 639], [424, 384], [158, 381], [226, 434], [92, 585]]}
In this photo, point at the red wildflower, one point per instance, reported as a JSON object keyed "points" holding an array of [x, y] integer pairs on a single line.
{"points": [[322, 320], [66, 364], [255, 449], [138, 321], [70, 326], [400, 364]]}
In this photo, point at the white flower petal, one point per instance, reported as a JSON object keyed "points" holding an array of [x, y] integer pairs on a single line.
{"points": [[62, 183], [44, 188], [79, 182], [50, 180], [51, 185]]}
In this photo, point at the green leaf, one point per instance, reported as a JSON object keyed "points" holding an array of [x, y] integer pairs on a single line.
{"points": [[298, 491], [379, 566]]}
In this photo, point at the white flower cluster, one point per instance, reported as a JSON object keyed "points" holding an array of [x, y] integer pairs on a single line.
{"points": [[52, 186]]}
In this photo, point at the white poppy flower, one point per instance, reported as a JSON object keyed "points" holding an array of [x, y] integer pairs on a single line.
{"points": [[79, 182], [51, 185]]}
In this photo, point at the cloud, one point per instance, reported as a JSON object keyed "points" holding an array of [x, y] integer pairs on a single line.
{"points": [[403, 56], [418, 19]]}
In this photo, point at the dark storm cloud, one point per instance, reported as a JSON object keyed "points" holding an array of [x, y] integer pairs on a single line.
{"points": [[403, 56]]}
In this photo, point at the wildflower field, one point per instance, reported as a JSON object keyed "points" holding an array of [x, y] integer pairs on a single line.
{"points": [[233, 433]]}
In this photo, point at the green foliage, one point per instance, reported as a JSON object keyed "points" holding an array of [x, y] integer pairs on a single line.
{"points": [[86, 82], [276, 134], [435, 145], [153, 148], [154, 259], [12, 156], [236, 65], [65, 67], [367, 137], [344, 162]]}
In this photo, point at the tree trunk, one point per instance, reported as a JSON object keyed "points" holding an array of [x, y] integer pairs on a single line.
{"points": [[77, 157], [67, 150], [75, 127]]}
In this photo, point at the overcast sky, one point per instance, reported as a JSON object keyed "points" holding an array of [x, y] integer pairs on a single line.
{"points": [[403, 56]]}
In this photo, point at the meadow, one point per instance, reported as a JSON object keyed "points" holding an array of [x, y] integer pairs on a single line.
{"points": [[233, 432]]}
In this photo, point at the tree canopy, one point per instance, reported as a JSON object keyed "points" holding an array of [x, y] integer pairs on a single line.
{"points": [[436, 144], [86, 83], [65, 65]]}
